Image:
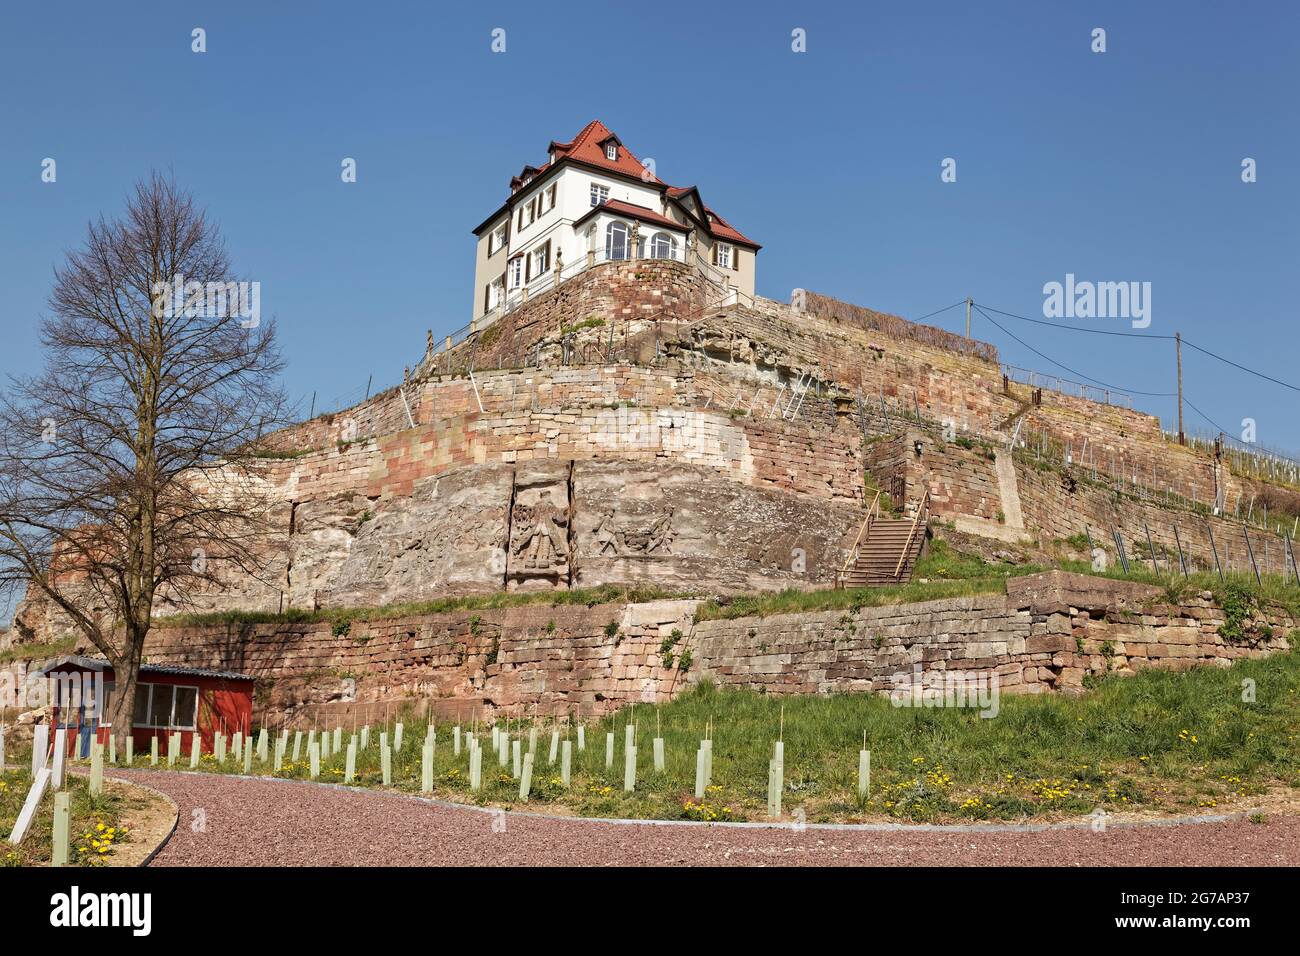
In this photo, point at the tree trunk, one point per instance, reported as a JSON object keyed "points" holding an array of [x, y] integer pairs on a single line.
{"points": [[122, 706]]}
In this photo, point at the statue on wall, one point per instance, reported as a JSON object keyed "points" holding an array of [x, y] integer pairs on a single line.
{"points": [[544, 541]]}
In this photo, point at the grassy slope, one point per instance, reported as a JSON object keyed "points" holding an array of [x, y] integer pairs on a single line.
{"points": [[1159, 741], [89, 815]]}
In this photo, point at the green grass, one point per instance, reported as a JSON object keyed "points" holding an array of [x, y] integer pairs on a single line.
{"points": [[1269, 590], [38, 651], [343, 617], [89, 813], [940, 573], [792, 601], [1160, 742]]}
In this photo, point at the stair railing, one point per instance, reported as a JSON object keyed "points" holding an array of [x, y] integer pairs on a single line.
{"points": [[921, 508], [863, 531]]}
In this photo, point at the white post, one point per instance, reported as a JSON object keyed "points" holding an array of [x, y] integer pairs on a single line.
{"points": [[386, 762], [62, 826], [699, 772], [526, 778], [313, 753], [515, 747], [555, 747], [297, 745], [566, 762], [864, 774], [60, 758], [96, 768], [426, 769], [629, 769], [350, 771], [609, 750], [40, 784], [582, 737], [659, 754], [40, 747]]}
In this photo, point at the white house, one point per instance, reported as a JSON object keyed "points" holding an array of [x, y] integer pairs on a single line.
{"points": [[593, 201]]}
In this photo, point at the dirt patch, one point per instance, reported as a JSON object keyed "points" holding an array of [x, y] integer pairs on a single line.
{"points": [[148, 815]]}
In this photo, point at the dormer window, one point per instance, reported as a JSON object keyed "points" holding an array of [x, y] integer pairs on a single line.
{"points": [[611, 151]]}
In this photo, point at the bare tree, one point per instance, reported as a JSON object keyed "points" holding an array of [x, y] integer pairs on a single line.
{"points": [[125, 465]]}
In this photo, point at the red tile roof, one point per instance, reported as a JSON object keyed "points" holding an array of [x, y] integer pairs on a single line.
{"points": [[636, 212], [722, 229], [588, 147]]}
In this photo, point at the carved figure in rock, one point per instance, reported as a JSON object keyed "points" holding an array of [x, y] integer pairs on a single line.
{"points": [[545, 539], [661, 534], [608, 537], [657, 537]]}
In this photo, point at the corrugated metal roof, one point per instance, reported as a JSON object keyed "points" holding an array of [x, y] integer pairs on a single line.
{"points": [[176, 670]]}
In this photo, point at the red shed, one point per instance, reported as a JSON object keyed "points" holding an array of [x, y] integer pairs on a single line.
{"points": [[169, 698]]}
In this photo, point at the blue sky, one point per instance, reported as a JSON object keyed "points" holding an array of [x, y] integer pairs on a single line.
{"points": [[1116, 166]]}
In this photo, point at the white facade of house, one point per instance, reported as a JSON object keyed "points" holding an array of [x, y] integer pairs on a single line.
{"points": [[570, 215]]}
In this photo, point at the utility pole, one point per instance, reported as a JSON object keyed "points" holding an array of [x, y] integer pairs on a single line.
{"points": [[1178, 347], [968, 304]]}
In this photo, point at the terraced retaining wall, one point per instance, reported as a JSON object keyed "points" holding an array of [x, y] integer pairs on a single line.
{"points": [[1047, 633]]}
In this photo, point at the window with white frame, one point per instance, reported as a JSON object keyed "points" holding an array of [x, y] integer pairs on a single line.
{"points": [[616, 241], [516, 272], [599, 194], [542, 259], [498, 240], [496, 290], [611, 151], [663, 246], [165, 705], [725, 252]]}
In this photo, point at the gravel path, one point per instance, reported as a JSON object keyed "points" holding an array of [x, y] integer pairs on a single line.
{"points": [[286, 823]]}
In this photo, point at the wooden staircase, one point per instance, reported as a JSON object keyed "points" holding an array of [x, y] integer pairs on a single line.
{"points": [[886, 549]]}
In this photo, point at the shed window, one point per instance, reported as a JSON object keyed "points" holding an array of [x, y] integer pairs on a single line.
{"points": [[163, 705]]}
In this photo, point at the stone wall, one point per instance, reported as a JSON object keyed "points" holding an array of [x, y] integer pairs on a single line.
{"points": [[1048, 632], [519, 661], [642, 290]]}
